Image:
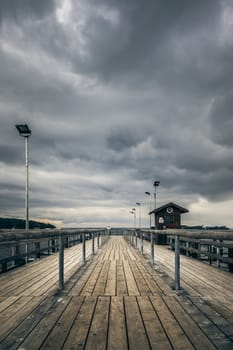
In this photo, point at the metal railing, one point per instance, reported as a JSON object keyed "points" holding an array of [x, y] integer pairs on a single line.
{"points": [[219, 246], [19, 247]]}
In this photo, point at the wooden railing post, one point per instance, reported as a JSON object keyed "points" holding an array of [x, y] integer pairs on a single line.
{"points": [[93, 243], [152, 248], [84, 247], [26, 252], [61, 262], [187, 248], [98, 239], [136, 238], [37, 250], [177, 262], [141, 241], [218, 253]]}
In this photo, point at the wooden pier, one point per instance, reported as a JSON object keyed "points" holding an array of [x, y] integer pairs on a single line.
{"points": [[117, 300]]}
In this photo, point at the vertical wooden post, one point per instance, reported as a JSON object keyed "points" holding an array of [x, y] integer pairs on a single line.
{"points": [[37, 250], [218, 253], [177, 262], [93, 243], [187, 246], [141, 241], [84, 248], [152, 248], [26, 252], [210, 252], [98, 240], [136, 239], [48, 246], [67, 241], [17, 254], [53, 245], [61, 262], [199, 250], [230, 255]]}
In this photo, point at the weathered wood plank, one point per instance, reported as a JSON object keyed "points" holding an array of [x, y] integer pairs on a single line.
{"points": [[121, 285], [191, 329], [97, 336], [117, 337], [209, 328], [24, 328], [80, 328], [110, 288], [175, 333], [16, 313], [42, 330], [137, 337], [157, 337], [60, 331]]}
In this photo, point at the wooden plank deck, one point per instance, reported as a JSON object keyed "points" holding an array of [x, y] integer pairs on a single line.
{"points": [[116, 301]]}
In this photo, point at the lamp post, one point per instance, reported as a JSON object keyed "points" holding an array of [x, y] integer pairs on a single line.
{"points": [[156, 184], [139, 204], [148, 194], [134, 211], [25, 132]]}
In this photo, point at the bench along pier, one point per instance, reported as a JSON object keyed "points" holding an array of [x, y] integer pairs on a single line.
{"points": [[91, 289]]}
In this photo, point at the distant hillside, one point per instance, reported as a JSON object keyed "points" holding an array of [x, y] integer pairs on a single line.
{"points": [[7, 223]]}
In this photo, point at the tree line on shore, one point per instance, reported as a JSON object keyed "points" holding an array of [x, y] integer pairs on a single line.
{"points": [[13, 223]]}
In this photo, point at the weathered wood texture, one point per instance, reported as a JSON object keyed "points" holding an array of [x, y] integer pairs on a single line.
{"points": [[116, 301]]}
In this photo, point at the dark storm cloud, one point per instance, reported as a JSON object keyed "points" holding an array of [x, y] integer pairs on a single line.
{"points": [[122, 139], [138, 39], [15, 10], [221, 119], [118, 94]]}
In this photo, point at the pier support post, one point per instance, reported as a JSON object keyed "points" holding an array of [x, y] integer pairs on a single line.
{"points": [[152, 248], [136, 239], [177, 262], [61, 262], [84, 247]]}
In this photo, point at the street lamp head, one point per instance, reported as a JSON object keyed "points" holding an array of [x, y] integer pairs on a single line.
{"points": [[156, 183], [133, 209], [23, 130], [148, 193], [138, 203]]}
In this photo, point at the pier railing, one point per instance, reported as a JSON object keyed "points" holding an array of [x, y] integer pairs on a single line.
{"points": [[213, 246], [19, 247]]}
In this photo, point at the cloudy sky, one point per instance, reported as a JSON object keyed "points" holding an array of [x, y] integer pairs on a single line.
{"points": [[118, 94]]}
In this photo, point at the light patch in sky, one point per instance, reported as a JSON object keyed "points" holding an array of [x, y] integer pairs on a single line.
{"points": [[109, 14], [226, 24], [63, 12]]}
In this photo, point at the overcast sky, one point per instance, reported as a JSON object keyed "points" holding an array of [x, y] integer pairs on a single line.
{"points": [[118, 94]]}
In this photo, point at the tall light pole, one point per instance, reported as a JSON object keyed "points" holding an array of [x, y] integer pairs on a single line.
{"points": [[148, 194], [156, 184], [134, 211], [139, 204], [25, 132]]}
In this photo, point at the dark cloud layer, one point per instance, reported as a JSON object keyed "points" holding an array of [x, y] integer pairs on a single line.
{"points": [[16, 10], [117, 94]]}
